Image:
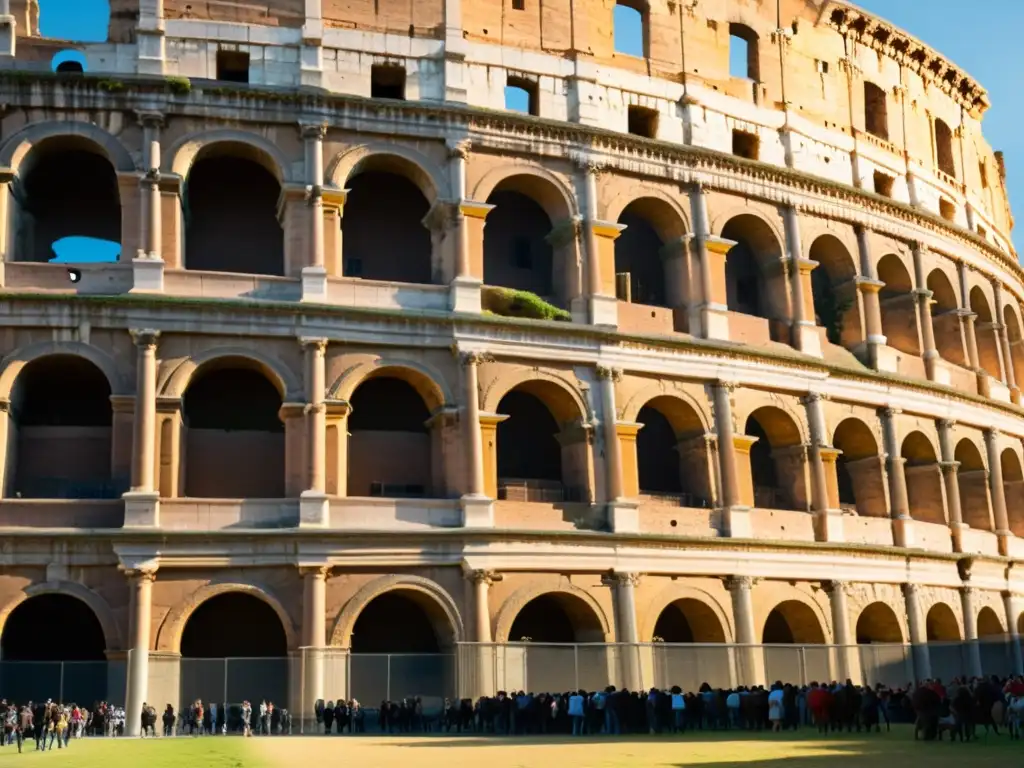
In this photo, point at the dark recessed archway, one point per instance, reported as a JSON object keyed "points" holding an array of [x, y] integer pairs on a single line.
{"points": [[556, 617], [689, 621], [234, 624], [793, 621], [394, 623]]}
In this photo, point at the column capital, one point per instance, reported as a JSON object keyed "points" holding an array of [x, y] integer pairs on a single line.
{"points": [[813, 397], [140, 573], [473, 357], [586, 162], [315, 131], [889, 413], [740, 583], [145, 338], [967, 591], [910, 590], [949, 467], [622, 579], [314, 195], [836, 587], [945, 423], [917, 246], [458, 148], [313, 344], [990, 433], [483, 576], [606, 372], [316, 571], [148, 118]]}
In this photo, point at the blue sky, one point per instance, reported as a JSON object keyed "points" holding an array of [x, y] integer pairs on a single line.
{"points": [[986, 44]]}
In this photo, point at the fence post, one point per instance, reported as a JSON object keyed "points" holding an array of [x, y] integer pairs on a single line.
{"points": [[389, 676], [803, 665], [225, 699], [60, 686], [576, 666]]}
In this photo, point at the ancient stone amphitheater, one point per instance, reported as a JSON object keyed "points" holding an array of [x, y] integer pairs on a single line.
{"points": [[451, 331]]}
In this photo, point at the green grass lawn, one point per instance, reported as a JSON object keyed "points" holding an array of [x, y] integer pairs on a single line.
{"points": [[713, 750]]}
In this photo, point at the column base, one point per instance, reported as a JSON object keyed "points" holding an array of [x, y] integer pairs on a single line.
{"points": [[314, 285], [737, 522], [808, 339], [464, 295], [147, 275], [714, 322], [141, 509], [314, 509], [828, 526], [623, 516], [603, 310], [956, 532], [903, 532], [477, 511]]}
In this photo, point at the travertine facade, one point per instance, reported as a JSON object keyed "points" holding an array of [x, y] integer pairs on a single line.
{"points": [[787, 401]]}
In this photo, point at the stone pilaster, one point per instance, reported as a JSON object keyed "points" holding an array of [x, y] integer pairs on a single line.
{"points": [[314, 508], [314, 273], [142, 502], [950, 468], [150, 39], [899, 503], [842, 636], [1011, 612], [735, 516], [465, 287], [970, 614], [749, 657], [148, 264], [869, 286], [601, 308], [626, 632], [918, 632], [141, 583], [477, 507], [828, 523], [314, 630], [997, 491]]}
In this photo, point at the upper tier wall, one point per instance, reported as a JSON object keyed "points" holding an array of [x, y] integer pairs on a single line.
{"points": [[832, 91]]}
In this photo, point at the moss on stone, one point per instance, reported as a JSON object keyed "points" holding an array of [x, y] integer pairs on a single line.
{"points": [[522, 304]]}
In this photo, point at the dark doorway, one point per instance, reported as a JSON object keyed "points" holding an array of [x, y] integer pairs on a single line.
{"points": [[517, 253], [543, 620], [394, 623], [638, 254], [656, 454], [528, 447]]}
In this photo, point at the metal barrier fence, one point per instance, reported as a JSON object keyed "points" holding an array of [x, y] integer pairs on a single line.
{"points": [[470, 670]]}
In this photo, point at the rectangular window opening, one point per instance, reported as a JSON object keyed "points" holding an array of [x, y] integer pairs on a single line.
{"points": [[876, 114], [518, 5], [745, 145], [233, 66], [983, 172], [629, 28], [947, 210], [387, 81], [521, 96], [883, 184], [643, 122], [743, 57]]}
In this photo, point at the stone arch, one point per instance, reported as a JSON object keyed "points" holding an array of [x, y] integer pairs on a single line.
{"points": [[669, 390], [924, 479], [878, 623], [20, 145], [1011, 318], [13, 363], [942, 625], [675, 593], [721, 220], [183, 154], [566, 401], [672, 454], [898, 305], [1013, 487], [945, 318], [389, 158], [429, 383], [777, 459], [104, 614], [535, 182], [988, 346], [859, 470], [521, 597], [798, 618], [668, 217], [174, 381], [834, 290], [651, 224], [972, 480], [168, 637], [989, 623], [440, 606], [755, 284]]}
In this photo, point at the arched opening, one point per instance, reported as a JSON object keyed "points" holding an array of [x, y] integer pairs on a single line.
{"points": [[859, 470], [792, 622], [235, 440], [630, 28], [944, 148], [414, 629], [69, 204], [899, 306], [390, 447], [946, 319], [68, 62], [61, 429], [672, 454], [744, 61], [43, 631], [689, 621], [755, 284], [517, 251], [231, 213], [876, 111], [541, 456], [1013, 334], [989, 624], [973, 481], [941, 624], [556, 617], [878, 624], [649, 225], [986, 333], [384, 234], [924, 479], [1013, 488], [834, 289], [233, 648], [776, 460]]}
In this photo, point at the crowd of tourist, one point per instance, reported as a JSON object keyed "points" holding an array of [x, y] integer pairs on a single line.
{"points": [[959, 709]]}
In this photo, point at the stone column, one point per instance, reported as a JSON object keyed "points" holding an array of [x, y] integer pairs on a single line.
{"points": [[314, 273], [622, 515], [709, 312], [869, 286], [150, 40], [314, 634], [847, 651], [735, 517], [602, 309], [626, 632], [951, 479], [899, 504], [924, 313], [1010, 608], [313, 505], [918, 633], [141, 581], [967, 317], [749, 656], [143, 456], [970, 613], [828, 523], [486, 660], [465, 288], [477, 507], [148, 264], [1010, 376], [804, 335], [997, 491]]}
